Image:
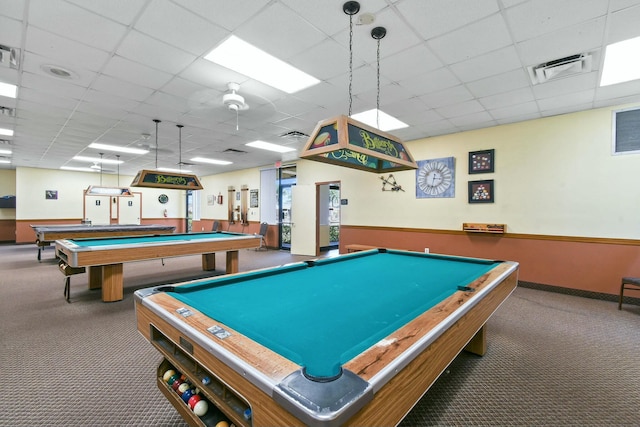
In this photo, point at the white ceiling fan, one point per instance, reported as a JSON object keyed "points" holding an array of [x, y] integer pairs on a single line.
{"points": [[233, 100]]}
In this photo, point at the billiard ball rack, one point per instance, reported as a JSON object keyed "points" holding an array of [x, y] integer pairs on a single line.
{"points": [[483, 228], [225, 399]]}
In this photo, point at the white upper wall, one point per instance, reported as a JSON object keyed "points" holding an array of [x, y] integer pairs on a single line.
{"points": [[553, 176]]}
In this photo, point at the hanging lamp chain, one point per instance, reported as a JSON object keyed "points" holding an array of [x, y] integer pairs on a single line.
{"points": [[378, 93], [179, 146], [350, 61], [156, 121]]}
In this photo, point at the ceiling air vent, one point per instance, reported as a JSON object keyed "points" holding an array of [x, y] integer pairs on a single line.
{"points": [[558, 68], [7, 111], [8, 56], [234, 151], [295, 135]]}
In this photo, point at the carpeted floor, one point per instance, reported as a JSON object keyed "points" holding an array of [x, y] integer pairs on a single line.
{"points": [[552, 360]]}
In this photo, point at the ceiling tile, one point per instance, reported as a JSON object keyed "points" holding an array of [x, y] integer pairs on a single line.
{"points": [[580, 38], [141, 48], [121, 88], [62, 52], [10, 32], [499, 83], [475, 39], [122, 11], [533, 18], [492, 63], [135, 73], [278, 31], [70, 21], [179, 27], [435, 17]]}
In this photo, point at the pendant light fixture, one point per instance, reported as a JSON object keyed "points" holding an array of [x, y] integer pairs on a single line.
{"points": [[343, 141], [170, 180], [99, 190]]}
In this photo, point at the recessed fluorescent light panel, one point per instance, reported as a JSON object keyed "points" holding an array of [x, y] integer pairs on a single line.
{"points": [[269, 146], [3, 151], [621, 62], [244, 58], [117, 148], [98, 160], [386, 122], [174, 170], [5, 161], [7, 132], [210, 161], [77, 169], [8, 90]]}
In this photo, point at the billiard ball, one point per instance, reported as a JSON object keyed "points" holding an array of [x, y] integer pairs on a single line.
{"points": [[168, 374], [200, 408], [187, 395], [172, 379], [183, 387], [222, 424], [193, 400], [176, 384]]}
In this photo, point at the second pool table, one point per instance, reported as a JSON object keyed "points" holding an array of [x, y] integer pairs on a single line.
{"points": [[105, 256], [46, 234], [351, 340]]}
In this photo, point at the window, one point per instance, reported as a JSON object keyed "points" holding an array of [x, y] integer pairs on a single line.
{"points": [[626, 131]]}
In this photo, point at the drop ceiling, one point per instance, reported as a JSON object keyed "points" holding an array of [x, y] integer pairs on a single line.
{"points": [[445, 67]]}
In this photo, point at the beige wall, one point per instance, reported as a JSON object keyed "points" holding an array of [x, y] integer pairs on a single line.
{"points": [[219, 184], [553, 176], [7, 188], [31, 184]]}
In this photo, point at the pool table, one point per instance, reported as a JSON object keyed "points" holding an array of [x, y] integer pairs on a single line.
{"points": [[46, 234], [352, 340], [105, 256]]}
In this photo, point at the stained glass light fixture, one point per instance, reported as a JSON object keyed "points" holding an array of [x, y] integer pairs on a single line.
{"points": [[343, 141]]}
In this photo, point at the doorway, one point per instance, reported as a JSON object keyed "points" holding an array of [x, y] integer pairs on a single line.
{"points": [[287, 179], [328, 216]]}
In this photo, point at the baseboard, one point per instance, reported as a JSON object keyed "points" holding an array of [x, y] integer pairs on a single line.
{"points": [[579, 292]]}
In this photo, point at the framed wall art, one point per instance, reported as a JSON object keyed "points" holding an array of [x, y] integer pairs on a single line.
{"points": [[481, 161], [481, 191], [436, 178]]}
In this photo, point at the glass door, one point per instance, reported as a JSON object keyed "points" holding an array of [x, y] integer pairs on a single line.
{"points": [[286, 180]]}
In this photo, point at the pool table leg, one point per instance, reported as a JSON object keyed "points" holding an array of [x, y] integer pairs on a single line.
{"points": [[478, 344], [232, 262], [209, 262], [112, 283], [95, 277], [109, 278]]}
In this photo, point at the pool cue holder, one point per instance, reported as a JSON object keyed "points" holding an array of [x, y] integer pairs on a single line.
{"points": [[69, 271], [222, 398], [474, 227]]}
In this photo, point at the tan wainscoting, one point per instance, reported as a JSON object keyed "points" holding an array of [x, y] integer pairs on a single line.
{"points": [[583, 263]]}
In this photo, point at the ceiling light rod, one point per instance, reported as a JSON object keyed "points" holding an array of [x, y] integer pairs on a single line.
{"points": [[156, 122], [378, 34], [180, 145], [101, 154], [351, 8]]}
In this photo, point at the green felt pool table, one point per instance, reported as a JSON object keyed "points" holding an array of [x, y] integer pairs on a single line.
{"points": [[105, 256], [46, 234], [351, 340]]}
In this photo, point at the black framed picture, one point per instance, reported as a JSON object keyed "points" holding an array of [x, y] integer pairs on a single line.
{"points": [[51, 194], [482, 161], [481, 191]]}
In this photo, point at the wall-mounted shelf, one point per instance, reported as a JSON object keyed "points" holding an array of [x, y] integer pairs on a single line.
{"points": [[475, 227]]}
